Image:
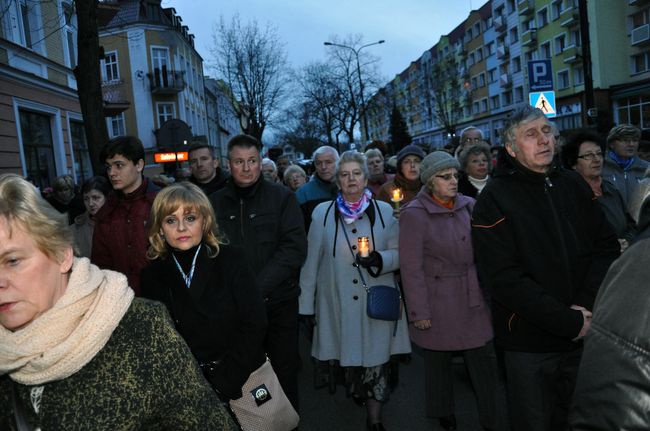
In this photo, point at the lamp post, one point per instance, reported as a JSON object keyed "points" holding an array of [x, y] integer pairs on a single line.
{"points": [[363, 102]]}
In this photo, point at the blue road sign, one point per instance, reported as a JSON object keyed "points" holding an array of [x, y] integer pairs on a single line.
{"points": [[540, 75], [544, 100]]}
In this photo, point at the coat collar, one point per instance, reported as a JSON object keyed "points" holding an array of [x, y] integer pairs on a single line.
{"points": [[433, 208], [202, 272]]}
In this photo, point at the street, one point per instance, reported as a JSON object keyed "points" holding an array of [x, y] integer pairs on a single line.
{"points": [[321, 411]]}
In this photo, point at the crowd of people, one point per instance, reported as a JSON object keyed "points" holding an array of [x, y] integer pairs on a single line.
{"points": [[124, 305]]}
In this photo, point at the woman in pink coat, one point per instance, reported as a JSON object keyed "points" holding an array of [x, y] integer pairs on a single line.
{"points": [[445, 304]]}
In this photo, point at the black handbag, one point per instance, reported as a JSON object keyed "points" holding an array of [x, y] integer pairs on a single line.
{"points": [[383, 302]]}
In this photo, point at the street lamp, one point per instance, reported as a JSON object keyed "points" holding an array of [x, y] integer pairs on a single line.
{"points": [[363, 102]]}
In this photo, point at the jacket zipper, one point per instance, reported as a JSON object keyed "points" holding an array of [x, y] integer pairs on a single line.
{"points": [[547, 187], [241, 218]]}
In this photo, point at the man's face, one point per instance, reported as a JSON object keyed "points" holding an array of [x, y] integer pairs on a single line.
{"points": [[325, 164], [202, 165], [282, 163], [470, 137], [375, 167], [625, 148], [535, 145], [245, 165], [123, 174], [269, 173]]}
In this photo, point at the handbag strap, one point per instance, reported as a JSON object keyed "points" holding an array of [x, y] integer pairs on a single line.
{"points": [[355, 264], [19, 410]]}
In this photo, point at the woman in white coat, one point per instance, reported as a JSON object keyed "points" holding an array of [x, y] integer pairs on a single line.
{"points": [[332, 288]]}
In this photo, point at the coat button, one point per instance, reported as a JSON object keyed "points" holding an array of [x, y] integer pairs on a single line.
{"points": [[451, 214], [354, 247], [354, 231], [355, 297], [355, 281]]}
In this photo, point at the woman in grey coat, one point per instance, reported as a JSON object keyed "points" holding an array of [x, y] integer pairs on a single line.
{"points": [[445, 304], [332, 288]]}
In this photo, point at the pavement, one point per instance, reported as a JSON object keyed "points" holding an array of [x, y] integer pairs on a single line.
{"points": [[321, 411]]}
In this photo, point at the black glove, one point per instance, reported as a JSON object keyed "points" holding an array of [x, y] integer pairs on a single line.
{"points": [[374, 260]]}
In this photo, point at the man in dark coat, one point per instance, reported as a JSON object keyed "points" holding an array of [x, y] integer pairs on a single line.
{"points": [[205, 169], [542, 246], [120, 237], [264, 218]]}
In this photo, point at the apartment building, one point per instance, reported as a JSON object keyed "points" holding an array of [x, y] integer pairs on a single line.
{"points": [[491, 50], [223, 122], [153, 77], [41, 127]]}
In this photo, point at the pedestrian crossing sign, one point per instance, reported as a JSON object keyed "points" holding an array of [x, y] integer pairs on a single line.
{"points": [[544, 100]]}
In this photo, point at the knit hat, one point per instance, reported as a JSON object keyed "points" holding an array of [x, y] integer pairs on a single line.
{"points": [[409, 150], [436, 162]]}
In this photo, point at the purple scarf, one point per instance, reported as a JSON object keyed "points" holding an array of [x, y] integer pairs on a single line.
{"points": [[352, 210]]}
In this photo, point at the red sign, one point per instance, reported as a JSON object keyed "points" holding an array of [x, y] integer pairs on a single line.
{"points": [[180, 156]]}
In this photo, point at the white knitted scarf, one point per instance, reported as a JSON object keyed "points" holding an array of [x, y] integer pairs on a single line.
{"points": [[62, 340]]}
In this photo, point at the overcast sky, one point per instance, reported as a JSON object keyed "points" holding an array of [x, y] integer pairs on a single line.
{"points": [[409, 26]]}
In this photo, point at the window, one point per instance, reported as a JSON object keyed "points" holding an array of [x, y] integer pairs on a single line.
{"points": [[542, 18], [528, 56], [116, 126], [111, 69], [492, 75], [489, 49], [494, 102], [514, 35], [475, 108], [511, 6], [516, 64], [578, 76], [38, 147], [519, 94], [633, 110], [70, 31], [563, 79], [484, 105], [166, 111], [529, 25], [640, 62], [83, 167], [639, 18], [545, 50], [560, 44], [481, 80], [160, 66], [507, 98], [556, 9], [479, 55], [474, 83], [470, 59]]}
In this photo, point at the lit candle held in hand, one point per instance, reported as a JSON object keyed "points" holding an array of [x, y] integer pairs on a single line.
{"points": [[363, 244], [397, 197]]}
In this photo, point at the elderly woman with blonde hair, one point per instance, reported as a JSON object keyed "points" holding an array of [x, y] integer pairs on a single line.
{"points": [[77, 351]]}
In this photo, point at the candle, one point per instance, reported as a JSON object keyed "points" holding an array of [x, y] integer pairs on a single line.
{"points": [[364, 246], [397, 197]]}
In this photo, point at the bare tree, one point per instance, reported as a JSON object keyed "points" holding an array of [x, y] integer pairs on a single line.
{"points": [[252, 61], [445, 91]]}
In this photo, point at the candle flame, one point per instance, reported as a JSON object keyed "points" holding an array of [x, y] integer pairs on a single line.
{"points": [[397, 195]]}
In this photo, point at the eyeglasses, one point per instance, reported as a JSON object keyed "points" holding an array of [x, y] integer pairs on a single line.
{"points": [[591, 156], [472, 140], [447, 177]]}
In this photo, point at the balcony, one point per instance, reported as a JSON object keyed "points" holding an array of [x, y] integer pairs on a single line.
{"points": [[641, 35], [526, 7], [461, 51], [502, 52], [500, 23], [114, 96], [505, 81], [529, 38], [166, 82], [572, 54], [569, 17], [638, 2]]}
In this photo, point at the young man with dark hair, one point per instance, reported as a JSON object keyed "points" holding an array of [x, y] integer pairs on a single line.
{"points": [[205, 169], [120, 237], [264, 218]]}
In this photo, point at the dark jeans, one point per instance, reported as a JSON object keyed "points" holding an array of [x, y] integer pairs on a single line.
{"points": [[438, 379], [281, 345], [540, 387]]}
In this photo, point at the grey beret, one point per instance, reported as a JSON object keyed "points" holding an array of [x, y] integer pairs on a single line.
{"points": [[436, 162]]}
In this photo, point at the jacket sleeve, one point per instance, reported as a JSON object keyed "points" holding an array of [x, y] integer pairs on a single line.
{"points": [[309, 271], [291, 249], [506, 277], [245, 354], [181, 397], [411, 248]]}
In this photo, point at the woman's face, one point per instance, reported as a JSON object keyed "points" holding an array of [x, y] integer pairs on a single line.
{"points": [[411, 167], [296, 180], [352, 181], [93, 201], [444, 184], [589, 163], [64, 194], [30, 281], [477, 166], [183, 229]]}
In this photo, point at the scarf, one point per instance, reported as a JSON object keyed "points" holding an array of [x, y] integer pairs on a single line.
{"points": [[352, 210], [478, 184], [62, 340], [620, 161]]}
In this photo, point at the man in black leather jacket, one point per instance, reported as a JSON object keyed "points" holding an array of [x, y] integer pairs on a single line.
{"points": [[613, 386], [265, 219], [542, 248]]}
